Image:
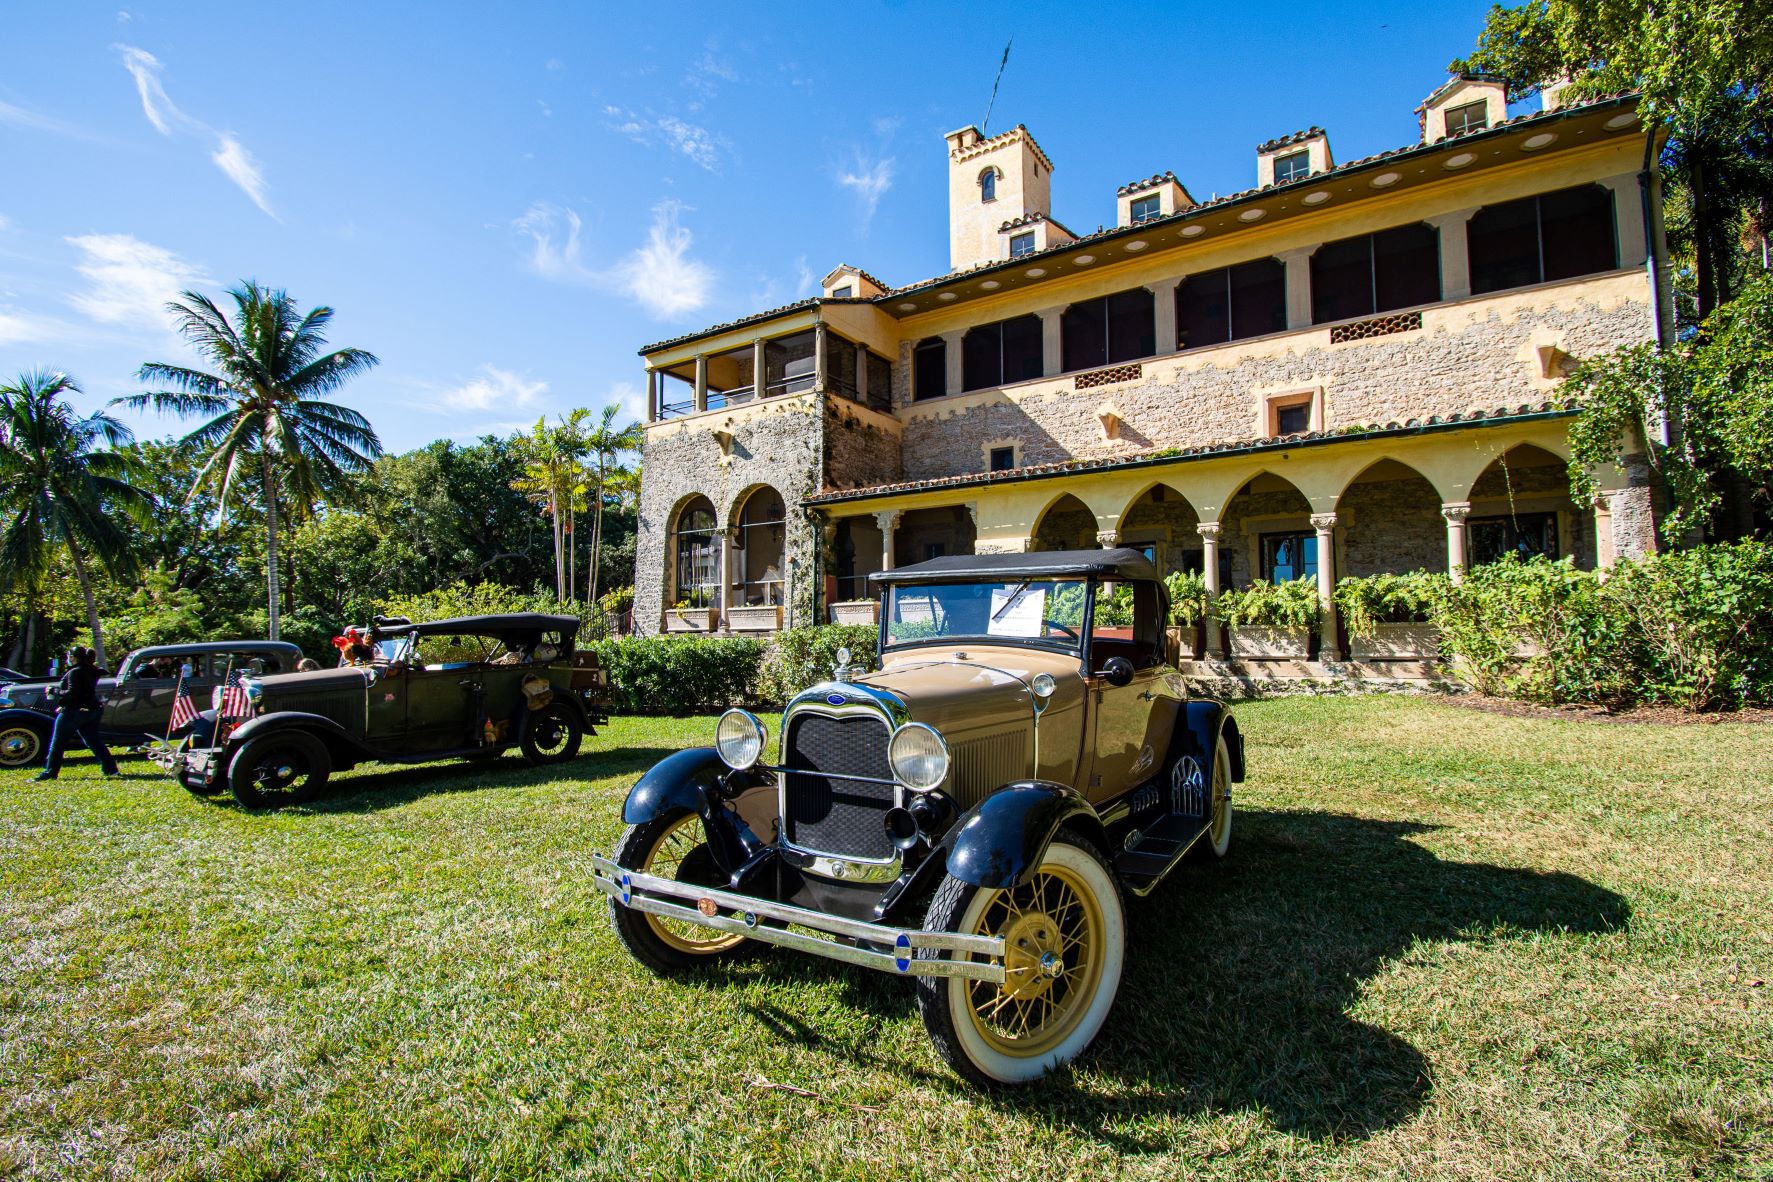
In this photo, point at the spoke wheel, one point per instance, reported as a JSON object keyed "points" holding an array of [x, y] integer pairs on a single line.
{"points": [[552, 736], [670, 847], [1217, 840], [1064, 936], [21, 745], [277, 770]]}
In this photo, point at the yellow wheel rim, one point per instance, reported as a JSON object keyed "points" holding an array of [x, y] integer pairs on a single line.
{"points": [[665, 859], [1053, 944], [1221, 804], [19, 746]]}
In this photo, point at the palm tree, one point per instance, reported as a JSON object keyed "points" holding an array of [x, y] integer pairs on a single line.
{"points": [[606, 443], [553, 479], [267, 406], [58, 487]]}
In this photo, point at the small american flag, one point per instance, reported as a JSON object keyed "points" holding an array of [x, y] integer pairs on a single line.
{"points": [[234, 702], [184, 711]]}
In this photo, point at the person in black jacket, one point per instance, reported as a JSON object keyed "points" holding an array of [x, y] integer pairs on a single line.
{"points": [[78, 710]]}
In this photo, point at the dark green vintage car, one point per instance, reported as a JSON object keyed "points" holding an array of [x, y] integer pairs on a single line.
{"points": [[473, 687]]}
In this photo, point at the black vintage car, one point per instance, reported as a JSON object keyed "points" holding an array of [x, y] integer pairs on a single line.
{"points": [[138, 701], [969, 816], [473, 687]]}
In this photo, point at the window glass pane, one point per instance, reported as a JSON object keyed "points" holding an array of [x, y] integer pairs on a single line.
{"points": [[1292, 167], [1292, 420], [1406, 267], [1576, 226], [988, 185], [1258, 298], [982, 358], [1203, 310], [1286, 557], [842, 293], [1342, 280], [930, 369], [1003, 459], [1021, 349], [1021, 244], [1469, 117], [880, 382], [1132, 326], [1145, 208], [1503, 244], [1522, 534], [1084, 329]]}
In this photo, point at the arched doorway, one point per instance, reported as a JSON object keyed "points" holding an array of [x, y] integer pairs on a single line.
{"points": [[1162, 525], [758, 576], [1390, 521], [695, 555], [1521, 505], [924, 534], [1067, 524]]}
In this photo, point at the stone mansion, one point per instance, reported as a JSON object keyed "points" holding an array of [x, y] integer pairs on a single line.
{"points": [[1345, 369]]}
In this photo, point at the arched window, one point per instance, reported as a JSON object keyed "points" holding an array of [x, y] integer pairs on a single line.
{"points": [[696, 550], [988, 185]]}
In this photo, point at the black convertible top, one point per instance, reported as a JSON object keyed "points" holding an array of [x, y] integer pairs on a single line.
{"points": [[515, 624], [1121, 563]]}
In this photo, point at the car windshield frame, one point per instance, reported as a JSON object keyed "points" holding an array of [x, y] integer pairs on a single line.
{"points": [[1005, 595]]}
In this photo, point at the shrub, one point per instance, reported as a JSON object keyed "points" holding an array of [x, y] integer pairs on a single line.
{"points": [[1188, 598], [1700, 624], [679, 675], [1365, 603], [1293, 605], [805, 656]]}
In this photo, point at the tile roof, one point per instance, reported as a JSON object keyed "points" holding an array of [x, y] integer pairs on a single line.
{"points": [[1150, 182], [1414, 426], [1003, 137], [1297, 137]]}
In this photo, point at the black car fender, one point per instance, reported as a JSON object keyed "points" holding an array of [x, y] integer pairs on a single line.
{"points": [[1000, 840], [1202, 723], [345, 748], [696, 780], [28, 716]]}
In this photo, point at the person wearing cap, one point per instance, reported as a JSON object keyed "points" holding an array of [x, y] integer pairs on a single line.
{"points": [[78, 710]]}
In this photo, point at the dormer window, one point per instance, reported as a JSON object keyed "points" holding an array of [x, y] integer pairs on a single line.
{"points": [[1468, 118], [988, 185], [843, 293], [1145, 208], [1295, 166], [1021, 244]]}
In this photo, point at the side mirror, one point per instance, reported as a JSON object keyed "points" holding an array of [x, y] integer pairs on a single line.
{"points": [[1118, 671]]}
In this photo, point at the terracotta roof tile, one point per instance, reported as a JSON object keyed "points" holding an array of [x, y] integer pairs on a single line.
{"points": [[1297, 137]]}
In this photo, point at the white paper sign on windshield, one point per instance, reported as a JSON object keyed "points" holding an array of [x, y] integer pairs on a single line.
{"points": [[1017, 611]]}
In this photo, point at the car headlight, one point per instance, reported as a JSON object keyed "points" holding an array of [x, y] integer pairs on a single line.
{"points": [[738, 737], [919, 757], [215, 698]]}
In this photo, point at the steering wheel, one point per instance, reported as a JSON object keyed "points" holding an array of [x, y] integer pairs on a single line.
{"points": [[1070, 633]]}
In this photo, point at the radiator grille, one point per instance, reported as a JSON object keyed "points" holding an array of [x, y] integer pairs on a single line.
{"points": [[828, 811], [982, 766]]}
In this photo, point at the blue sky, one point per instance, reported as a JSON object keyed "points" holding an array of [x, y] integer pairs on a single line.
{"points": [[505, 201]]}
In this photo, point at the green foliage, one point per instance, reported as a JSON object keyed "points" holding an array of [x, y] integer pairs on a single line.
{"points": [[158, 611], [680, 675], [1366, 602], [1293, 605], [805, 656], [1188, 598], [1691, 628]]}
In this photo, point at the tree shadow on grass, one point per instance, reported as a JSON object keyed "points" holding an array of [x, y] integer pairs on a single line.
{"points": [[1239, 978]]}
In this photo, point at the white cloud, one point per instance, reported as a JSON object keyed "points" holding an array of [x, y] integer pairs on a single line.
{"points": [[4, 221], [495, 388], [869, 181], [697, 144], [630, 400], [230, 155], [241, 168], [660, 274], [129, 281], [32, 121], [23, 328]]}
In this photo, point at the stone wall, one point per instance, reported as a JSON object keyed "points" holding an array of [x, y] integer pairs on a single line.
{"points": [[1471, 354], [1259, 509], [861, 447], [1390, 526]]}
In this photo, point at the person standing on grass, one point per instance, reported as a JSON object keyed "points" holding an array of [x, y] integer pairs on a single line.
{"points": [[77, 715]]}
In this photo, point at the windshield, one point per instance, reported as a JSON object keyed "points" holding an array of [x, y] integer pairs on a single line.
{"points": [[1050, 611]]}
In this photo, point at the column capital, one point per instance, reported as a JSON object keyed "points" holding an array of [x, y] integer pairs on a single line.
{"points": [[1456, 512], [1457, 217], [1160, 286], [1323, 523], [954, 336], [1297, 253], [888, 520], [1107, 538], [1208, 530]]}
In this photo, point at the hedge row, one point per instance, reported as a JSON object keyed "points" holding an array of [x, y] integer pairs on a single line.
{"points": [[682, 675]]}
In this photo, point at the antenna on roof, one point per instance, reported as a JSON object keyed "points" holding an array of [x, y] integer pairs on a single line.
{"points": [[985, 126]]}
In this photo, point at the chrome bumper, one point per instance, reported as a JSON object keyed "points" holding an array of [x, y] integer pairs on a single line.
{"points": [[742, 915]]}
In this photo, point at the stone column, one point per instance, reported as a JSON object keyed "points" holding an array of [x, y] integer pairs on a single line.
{"points": [[1163, 300], [1107, 539], [652, 395], [759, 367], [701, 382], [1455, 256], [1325, 525], [1209, 571], [1632, 510], [821, 356], [1628, 217], [1456, 512], [1052, 342], [1604, 555], [1298, 264], [889, 528], [951, 354]]}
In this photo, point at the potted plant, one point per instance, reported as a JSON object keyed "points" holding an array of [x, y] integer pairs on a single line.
{"points": [[681, 617], [1388, 616], [1271, 621], [1187, 625], [754, 617], [856, 611]]}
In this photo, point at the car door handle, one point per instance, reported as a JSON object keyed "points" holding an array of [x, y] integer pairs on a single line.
{"points": [[1147, 696]]}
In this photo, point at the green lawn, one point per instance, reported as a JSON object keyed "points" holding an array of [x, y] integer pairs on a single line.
{"points": [[1446, 944]]}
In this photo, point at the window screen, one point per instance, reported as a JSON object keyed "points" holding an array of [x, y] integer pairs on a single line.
{"points": [[1232, 303], [1104, 331], [1395, 268], [1540, 239], [929, 369]]}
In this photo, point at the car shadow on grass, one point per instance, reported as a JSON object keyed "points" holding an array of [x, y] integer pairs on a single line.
{"points": [[1240, 976]]}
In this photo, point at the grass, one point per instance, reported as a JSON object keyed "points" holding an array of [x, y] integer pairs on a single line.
{"points": [[1446, 944]]}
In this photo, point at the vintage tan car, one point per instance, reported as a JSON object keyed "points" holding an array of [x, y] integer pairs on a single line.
{"points": [[970, 815]]}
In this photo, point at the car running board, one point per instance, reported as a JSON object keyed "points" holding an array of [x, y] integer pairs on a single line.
{"points": [[1153, 853]]}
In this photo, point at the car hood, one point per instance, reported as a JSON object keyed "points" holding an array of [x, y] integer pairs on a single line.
{"points": [[953, 694], [313, 681]]}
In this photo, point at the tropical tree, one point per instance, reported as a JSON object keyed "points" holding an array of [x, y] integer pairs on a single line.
{"points": [[607, 444], [62, 484], [553, 478], [267, 407]]}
